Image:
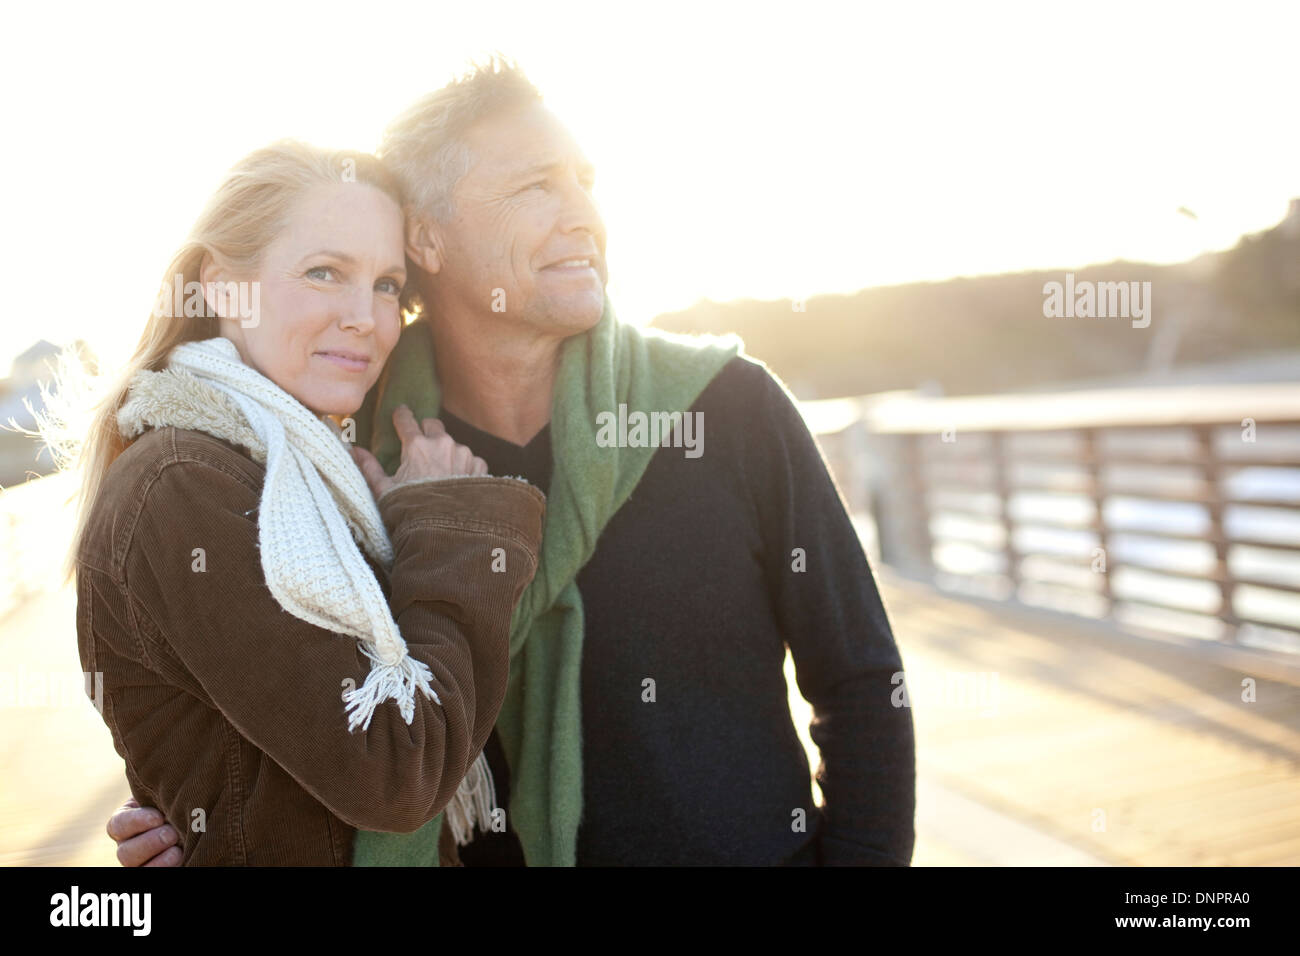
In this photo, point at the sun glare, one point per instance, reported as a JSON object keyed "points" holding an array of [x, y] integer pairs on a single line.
{"points": [[743, 151]]}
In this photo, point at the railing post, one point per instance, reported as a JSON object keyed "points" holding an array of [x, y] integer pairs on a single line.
{"points": [[1092, 467], [1002, 482], [1217, 536], [860, 492], [915, 476]]}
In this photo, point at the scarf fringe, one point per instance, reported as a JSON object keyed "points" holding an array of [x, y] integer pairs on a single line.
{"points": [[388, 682], [474, 802]]}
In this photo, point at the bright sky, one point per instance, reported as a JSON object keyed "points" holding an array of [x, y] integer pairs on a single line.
{"points": [[743, 150]]}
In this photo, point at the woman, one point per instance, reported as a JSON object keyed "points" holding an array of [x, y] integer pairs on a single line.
{"points": [[286, 659]]}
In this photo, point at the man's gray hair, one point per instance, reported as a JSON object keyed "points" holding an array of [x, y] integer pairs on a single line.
{"points": [[424, 146]]}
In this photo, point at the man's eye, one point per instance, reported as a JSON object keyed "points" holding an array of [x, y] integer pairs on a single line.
{"points": [[316, 273], [541, 183]]}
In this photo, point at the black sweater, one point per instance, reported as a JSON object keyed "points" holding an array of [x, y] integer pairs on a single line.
{"points": [[693, 585]]}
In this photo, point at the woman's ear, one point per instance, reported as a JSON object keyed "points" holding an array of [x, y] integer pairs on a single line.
{"points": [[214, 281], [217, 290], [423, 243]]}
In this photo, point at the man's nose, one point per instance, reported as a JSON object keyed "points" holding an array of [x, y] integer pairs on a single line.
{"points": [[581, 211]]}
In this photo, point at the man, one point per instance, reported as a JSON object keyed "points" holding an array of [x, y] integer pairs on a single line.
{"points": [[673, 578]]}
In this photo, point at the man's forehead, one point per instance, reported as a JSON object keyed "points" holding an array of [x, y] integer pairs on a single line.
{"points": [[528, 139]]}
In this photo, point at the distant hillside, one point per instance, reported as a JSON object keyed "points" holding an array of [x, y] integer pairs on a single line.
{"points": [[988, 333]]}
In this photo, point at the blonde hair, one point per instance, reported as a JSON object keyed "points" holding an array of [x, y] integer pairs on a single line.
{"points": [[248, 210], [424, 145]]}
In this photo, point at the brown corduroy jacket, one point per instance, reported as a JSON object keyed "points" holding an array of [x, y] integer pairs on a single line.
{"points": [[228, 710]]}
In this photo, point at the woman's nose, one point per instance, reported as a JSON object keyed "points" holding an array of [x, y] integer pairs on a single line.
{"points": [[358, 311]]}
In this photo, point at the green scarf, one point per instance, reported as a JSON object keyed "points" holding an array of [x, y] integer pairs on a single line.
{"points": [[540, 728]]}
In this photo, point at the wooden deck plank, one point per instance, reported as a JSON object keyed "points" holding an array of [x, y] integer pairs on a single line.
{"points": [[1187, 773]]}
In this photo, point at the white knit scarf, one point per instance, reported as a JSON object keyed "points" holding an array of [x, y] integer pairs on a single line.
{"points": [[315, 508]]}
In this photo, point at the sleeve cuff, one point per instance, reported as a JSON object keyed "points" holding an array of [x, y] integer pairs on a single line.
{"points": [[508, 506]]}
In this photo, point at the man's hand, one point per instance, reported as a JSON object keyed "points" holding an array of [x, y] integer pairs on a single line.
{"points": [[143, 837]]}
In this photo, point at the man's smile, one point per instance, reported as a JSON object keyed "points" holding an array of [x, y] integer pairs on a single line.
{"points": [[590, 266]]}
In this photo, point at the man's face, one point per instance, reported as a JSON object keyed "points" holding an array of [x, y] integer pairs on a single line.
{"points": [[526, 241]]}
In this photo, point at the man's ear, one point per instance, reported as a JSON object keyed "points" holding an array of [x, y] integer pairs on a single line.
{"points": [[424, 243]]}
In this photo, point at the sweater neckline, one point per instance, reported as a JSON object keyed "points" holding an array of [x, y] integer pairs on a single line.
{"points": [[542, 438]]}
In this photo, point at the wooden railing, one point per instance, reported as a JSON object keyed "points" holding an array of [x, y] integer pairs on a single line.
{"points": [[1167, 509]]}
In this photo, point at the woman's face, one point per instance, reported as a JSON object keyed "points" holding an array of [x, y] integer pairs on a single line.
{"points": [[327, 298]]}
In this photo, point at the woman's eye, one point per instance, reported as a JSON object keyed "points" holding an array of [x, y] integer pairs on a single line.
{"points": [[391, 286], [316, 273]]}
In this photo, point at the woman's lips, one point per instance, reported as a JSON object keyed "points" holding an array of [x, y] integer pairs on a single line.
{"points": [[348, 361]]}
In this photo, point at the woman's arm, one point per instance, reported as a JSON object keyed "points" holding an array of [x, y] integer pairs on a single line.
{"points": [[214, 627]]}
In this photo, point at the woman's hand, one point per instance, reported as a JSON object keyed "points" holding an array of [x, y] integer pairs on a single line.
{"points": [[427, 452]]}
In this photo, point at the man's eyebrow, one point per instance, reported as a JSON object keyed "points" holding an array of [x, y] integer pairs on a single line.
{"points": [[549, 165]]}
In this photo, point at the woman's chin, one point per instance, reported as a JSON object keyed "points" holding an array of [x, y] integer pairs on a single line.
{"points": [[337, 406]]}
